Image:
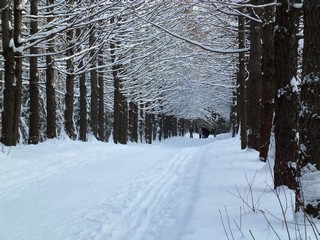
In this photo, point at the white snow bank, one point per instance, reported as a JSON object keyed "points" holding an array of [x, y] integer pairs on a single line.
{"points": [[181, 188]]}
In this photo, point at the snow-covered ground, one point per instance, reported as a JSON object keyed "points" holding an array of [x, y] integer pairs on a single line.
{"points": [[178, 189]]}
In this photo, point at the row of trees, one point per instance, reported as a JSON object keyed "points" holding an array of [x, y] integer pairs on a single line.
{"points": [[142, 70], [282, 89], [99, 67]]}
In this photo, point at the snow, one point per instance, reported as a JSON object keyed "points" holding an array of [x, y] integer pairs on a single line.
{"points": [[310, 181], [297, 5], [22, 5], [10, 26], [21, 40], [178, 189], [14, 48], [11, 43], [294, 85]]}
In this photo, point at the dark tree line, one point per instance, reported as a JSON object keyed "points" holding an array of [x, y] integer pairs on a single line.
{"points": [[278, 98]]}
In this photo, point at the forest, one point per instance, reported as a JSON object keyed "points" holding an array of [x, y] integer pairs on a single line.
{"points": [[146, 70]]}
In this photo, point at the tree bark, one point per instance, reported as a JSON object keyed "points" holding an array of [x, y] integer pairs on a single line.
{"points": [[154, 127], [13, 71], [141, 122], [233, 111], [242, 109], [116, 89], [254, 80], [148, 127], [34, 79], [9, 76], [69, 96], [310, 96], [123, 123], [116, 105], [18, 70], [94, 117], [161, 124], [174, 126], [101, 130], [83, 100], [83, 107], [267, 83], [50, 81], [133, 122], [286, 100]]}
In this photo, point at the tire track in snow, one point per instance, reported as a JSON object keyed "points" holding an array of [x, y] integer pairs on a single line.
{"points": [[155, 206]]}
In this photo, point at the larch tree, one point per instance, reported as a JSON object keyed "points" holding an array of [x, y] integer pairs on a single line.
{"points": [[70, 77], [116, 82], [8, 93], [254, 79], [101, 108], [34, 77], [267, 80], [159, 77], [94, 119], [83, 108], [286, 99], [19, 7], [310, 103], [51, 124], [12, 51], [133, 121], [83, 94], [241, 80]]}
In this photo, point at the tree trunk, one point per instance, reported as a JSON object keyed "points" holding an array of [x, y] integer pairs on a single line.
{"points": [[18, 70], [13, 72], [50, 81], [242, 109], [9, 76], [116, 105], [116, 89], [154, 127], [83, 107], [254, 81], [174, 126], [101, 130], [34, 79], [267, 83], [167, 126], [83, 100], [133, 122], [233, 111], [123, 123], [160, 123], [69, 96], [94, 117], [310, 97], [141, 122], [136, 123], [148, 127], [286, 100]]}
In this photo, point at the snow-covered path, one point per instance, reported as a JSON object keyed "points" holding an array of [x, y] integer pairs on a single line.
{"points": [[178, 189], [157, 200], [72, 190]]}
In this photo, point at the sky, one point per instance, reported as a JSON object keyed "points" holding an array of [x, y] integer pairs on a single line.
{"points": [[178, 189]]}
